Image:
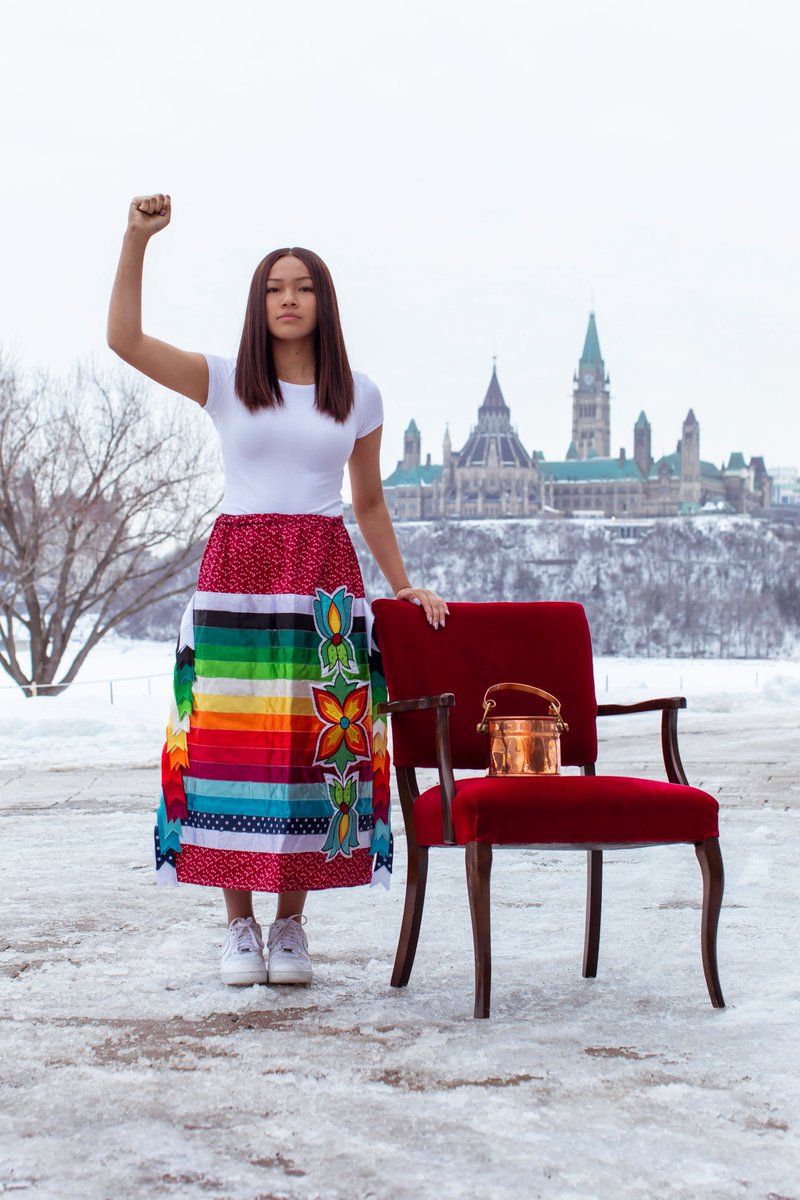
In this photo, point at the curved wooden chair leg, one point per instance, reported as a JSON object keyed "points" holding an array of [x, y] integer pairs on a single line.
{"points": [[594, 908], [479, 870], [710, 859], [412, 914]]}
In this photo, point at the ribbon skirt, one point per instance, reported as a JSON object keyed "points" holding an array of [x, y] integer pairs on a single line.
{"points": [[275, 771]]}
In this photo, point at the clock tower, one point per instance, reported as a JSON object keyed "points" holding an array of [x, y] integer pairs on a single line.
{"points": [[591, 401]]}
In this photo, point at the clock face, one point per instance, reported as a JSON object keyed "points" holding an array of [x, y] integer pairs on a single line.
{"points": [[588, 379]]}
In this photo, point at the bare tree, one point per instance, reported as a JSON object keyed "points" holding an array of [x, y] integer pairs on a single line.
{"points": [[104, 497]]}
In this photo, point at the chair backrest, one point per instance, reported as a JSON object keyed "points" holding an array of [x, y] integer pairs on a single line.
{"points": [[547, 645]]}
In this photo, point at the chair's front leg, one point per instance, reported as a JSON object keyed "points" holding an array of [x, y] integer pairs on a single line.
{"points": [[479, 871], [710, 859], [416, 880], [594, 909]]}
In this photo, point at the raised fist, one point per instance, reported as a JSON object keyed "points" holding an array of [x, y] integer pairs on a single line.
{"points": [[149, 213]]}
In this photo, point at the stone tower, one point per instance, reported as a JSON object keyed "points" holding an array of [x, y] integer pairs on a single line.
{"points": [[690, 460], [447, 461], [412, 443], [447, 450], [591, 402], [642, 449]]}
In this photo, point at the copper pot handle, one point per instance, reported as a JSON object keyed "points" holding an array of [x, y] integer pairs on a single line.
{"points": [[555, 705]]}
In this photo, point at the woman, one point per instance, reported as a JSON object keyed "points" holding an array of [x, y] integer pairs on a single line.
{"points": [[274, 774]]}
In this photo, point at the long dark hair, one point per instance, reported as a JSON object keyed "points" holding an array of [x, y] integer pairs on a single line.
{"points": [[257, 383]]}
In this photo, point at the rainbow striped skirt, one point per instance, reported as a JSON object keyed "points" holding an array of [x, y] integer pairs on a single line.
{"points": [[275, 767]]}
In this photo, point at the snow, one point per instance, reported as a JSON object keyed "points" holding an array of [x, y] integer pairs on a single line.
{"points": [[129, 1070], [83, 728]]}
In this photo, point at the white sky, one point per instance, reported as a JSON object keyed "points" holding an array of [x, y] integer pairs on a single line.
{"points": [[472, 173]]}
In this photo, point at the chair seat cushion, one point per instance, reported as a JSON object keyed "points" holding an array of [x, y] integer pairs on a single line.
{"points": [[568, 809]]}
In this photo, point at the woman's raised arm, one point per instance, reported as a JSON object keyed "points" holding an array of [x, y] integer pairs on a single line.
{"points": [[179, 370]]}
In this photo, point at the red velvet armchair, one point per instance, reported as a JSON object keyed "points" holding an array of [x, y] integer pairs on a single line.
{"points": [[436, 680]]}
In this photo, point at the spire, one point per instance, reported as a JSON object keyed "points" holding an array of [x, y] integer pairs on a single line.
{"points": [[412, 426], [591, 346], [691, 419], [447, 441], [642, 421], [493, 400]]}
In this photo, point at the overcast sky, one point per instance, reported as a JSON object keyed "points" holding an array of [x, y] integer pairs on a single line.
{"points": [[475, 175]]}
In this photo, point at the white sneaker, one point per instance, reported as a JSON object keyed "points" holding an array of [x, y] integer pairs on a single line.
{"points": [[243, 954], [288, 951]]}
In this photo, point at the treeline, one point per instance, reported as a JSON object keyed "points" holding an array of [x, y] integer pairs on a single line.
{"points": [[700, 587]]}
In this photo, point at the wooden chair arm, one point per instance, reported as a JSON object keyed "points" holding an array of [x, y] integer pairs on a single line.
{"points": [[615, 710], [444, 759], [669, 707], [446, 700]]}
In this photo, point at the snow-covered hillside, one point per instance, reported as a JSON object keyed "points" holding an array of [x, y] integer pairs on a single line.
{"points": [[706, 586]]}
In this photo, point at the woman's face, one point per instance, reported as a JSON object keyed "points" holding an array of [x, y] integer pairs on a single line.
{"points": [[291, 302]]}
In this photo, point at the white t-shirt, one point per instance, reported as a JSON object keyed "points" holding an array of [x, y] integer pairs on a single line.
{"points": [[287, 459]]}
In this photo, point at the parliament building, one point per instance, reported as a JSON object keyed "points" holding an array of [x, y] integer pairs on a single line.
{"points": [[493, 475]]}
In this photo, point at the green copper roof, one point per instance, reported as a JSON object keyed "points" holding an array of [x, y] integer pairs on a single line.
{"points": [[641, 421], [417, 475], [572, 451], [591, 346], [708, 470], [586, 470], [412, 426], [736, 462]]}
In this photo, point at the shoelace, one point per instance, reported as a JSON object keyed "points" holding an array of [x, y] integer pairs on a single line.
{"points": [[287, 934], [244, 936]]}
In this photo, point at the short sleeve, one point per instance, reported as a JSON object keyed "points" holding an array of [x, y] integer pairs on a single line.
{"points": [[370, 414], [220, 382]]}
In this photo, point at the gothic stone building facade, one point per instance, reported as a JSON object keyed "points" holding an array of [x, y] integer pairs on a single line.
{"points": [[493, 475]]}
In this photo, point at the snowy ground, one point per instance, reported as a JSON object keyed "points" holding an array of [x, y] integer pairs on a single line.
{"points": [[129, 1070]]}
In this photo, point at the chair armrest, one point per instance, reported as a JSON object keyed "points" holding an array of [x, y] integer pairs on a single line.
{"points": [[668, 707], [444, 759], [615, 710], [446, 700]]}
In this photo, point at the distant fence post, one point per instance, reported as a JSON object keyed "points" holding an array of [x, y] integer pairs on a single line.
{"points": [[111, 690]]}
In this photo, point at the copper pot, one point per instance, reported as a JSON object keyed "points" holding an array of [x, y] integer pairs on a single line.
{"points": [[523, 745]]}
